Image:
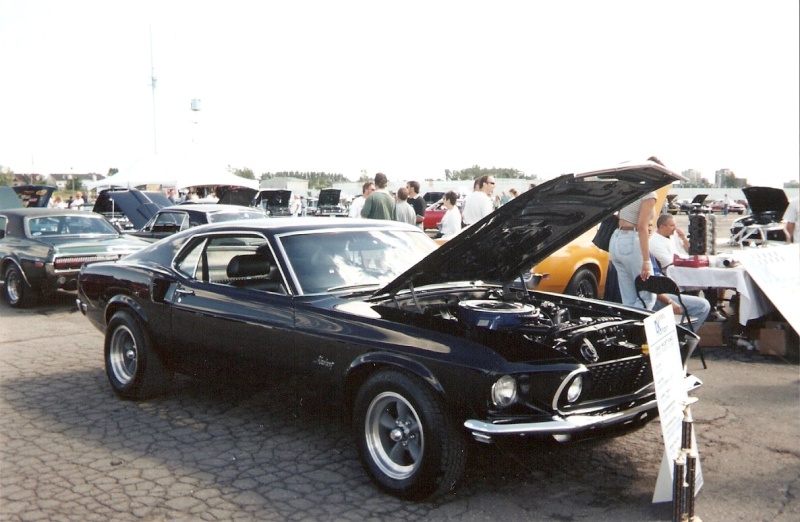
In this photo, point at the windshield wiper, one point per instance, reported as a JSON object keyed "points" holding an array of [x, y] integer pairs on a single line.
{"points": [[352, 287]]}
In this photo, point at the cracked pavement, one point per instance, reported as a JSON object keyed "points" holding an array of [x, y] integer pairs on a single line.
{"points": [[278, 449]]}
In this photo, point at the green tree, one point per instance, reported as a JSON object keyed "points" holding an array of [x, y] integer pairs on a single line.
{"points": [[245, 172], [112, 171], [6, 176], [476, 171]]}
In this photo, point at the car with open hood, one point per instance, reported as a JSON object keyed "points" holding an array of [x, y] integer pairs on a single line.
{"points": [[41, 250], [276, 202], [129, 209], [329, 203], [169, 220], [696, 206], [767, 206], [430, 349]]}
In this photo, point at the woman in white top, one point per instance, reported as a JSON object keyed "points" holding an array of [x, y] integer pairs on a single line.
{"points": [[451, 222], [629, 249]]}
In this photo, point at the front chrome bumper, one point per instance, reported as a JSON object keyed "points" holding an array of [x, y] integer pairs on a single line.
{"points": [[562, 426]]}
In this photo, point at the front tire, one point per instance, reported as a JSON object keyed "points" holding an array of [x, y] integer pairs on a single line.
{"points": [[407, 443], [583, 284], [19, 293], [134, 369]]}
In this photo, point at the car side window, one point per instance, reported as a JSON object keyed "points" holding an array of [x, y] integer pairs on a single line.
{"points": [[207, 260]]}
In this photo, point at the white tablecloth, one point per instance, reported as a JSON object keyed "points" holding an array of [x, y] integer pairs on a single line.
{"points": [[752, 302]]}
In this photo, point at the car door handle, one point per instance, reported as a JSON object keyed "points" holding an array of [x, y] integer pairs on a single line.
{"points": [[182, 291]]}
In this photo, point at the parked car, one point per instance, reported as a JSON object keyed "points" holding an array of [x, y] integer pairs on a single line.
{"points": [[578, 268], [129, 209], [30, 196], [426, 347], [170, 220], [672, 206], [42, 249], [276, 202], [733, 207], [696, 206], [767, 206], [330, 204]]}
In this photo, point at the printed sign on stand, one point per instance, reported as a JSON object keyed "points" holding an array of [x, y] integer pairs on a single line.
{"points": [[669, 379]]}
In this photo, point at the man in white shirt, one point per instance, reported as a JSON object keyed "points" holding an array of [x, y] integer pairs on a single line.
{"points": [[662, 245], [358, 203], [662, 249], [792, 217], [478, 204]]}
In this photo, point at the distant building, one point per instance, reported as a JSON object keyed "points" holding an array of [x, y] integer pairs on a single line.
{"points": [[721, 175], [792, 184], [693, 176]]}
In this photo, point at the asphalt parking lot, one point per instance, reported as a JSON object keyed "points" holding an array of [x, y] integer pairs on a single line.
{"points": [[277, 449]]}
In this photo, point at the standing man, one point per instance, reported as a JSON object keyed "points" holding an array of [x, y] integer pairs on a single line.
{"points": [[416, 201], [358, 203], [404, 212], [725, 203], [479, 203], [380, 204]]}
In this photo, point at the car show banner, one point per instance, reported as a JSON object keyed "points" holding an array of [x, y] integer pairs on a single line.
{"points": [[673, 401]]}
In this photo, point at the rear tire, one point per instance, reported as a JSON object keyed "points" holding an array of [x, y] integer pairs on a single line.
{"points": [[134, 369], [407, 443], [19, 293], [583, 284]]}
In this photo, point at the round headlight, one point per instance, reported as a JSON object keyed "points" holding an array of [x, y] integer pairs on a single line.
{"points": [[504, 391], [575, 389]]}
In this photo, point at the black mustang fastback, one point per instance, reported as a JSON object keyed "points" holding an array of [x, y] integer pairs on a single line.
{"points": [[426, 346]]}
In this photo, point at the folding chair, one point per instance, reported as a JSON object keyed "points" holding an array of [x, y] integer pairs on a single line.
{"points": [[664, 285]]}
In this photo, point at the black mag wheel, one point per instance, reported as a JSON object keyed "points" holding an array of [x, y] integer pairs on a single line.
{"points": [[583, 284], [134, 369], [18, 293], [407, 443]]}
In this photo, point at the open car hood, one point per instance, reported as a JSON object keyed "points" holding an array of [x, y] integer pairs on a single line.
{"points": [[329, 197], [242, 196], [699, 199], [523, 232], [34, 195], [766, 199], [138, 206]]}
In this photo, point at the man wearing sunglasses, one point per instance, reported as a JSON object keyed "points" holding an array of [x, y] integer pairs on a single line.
{"points": [[479, 204]]}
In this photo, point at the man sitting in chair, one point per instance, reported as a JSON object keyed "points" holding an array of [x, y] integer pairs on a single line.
{"points": [[662, 253]]}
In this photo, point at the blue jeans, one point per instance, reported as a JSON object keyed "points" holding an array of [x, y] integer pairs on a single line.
{"points": [[626, 255], [698, 308]]}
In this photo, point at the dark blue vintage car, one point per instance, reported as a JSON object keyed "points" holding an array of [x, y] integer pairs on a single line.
{"points": [[41, 250], [426, 347]]}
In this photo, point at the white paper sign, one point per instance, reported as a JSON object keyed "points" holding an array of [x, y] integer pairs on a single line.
{"points": [[669, 379]]}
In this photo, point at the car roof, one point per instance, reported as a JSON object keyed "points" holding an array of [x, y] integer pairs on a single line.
{"points": [[208, 208], [38, 211]]}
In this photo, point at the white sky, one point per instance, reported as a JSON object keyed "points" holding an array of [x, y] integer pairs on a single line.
{"points": [[408, 88]]}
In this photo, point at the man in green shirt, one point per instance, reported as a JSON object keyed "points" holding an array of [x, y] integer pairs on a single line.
{"points": [[380, 204]]}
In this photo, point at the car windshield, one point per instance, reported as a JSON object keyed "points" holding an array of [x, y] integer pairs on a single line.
{"points": [[72, 225], [219, 217], [353, 259]]}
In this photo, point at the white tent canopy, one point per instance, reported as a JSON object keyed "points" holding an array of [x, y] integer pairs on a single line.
{"points": [[193, 169]]}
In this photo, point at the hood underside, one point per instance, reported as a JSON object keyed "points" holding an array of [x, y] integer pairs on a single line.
{"points": [[523, 232], [329, 197], [138, 206], [766, 199]]}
